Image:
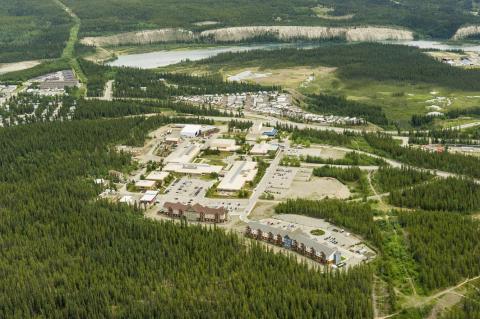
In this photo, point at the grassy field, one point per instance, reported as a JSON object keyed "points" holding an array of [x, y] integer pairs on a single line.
{"points": [[400, 100]]}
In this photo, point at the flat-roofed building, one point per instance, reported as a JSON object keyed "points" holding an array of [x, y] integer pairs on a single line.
{"points": [[240, 173], [145, 184], [263, 149], [224, 145], [184, 153], [149, 197], [192, 168], [157, 176]]}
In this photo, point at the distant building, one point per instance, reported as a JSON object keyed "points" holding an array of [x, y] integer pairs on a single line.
{"points": [[295, 241], [195, 212], [192, 168], [240, 173]]}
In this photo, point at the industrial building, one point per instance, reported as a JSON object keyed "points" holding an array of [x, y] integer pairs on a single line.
{"points": [[184, 153], [224, 145], [149, 197], [195, 212], [145, 184], [240, 173], [157, 176], [192, 168], [295, 241], [190, 131], [263, 149]]}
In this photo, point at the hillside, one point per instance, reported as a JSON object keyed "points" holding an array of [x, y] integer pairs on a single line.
{"points": [[430, 18]]}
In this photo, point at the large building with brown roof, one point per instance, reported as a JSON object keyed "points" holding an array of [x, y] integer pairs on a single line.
{"points": [[195, 212]]}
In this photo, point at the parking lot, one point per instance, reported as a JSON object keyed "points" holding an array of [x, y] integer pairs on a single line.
{"points": [[187, 188], [281, 180]]}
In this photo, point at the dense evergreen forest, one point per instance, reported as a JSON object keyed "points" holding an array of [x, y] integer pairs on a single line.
{"points": [[352, 158], [433, 18], [387, 179], [448, 252], [68, 256], [32, 30], [334, 105], [455, 163], [149, 84], [365, 61], [94, 109], [445, 136], [450, 194]]}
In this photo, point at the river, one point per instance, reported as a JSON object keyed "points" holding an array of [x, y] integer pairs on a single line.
{"points": [[168, 57]]}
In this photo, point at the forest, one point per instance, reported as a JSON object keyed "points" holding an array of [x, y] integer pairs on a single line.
{"points": [[352, 158], [449, 194], [334, 105], [32, 30], [363, 61], [456, 163], [445, 254], [387, 179], [138, 83], [431, 18], [94, 109]]}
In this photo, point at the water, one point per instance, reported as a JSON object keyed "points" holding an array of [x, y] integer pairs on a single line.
{"points": [[168, 57], [423, 44]]}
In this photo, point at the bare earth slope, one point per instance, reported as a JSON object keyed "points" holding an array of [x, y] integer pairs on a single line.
{"points": [[235, 34]]}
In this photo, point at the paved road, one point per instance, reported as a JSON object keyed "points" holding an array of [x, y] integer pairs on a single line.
{"points": [[260, 189]]}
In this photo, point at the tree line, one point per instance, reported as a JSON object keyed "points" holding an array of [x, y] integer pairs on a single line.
{"points": [[336, 105], [449, 194], [388, 179]]}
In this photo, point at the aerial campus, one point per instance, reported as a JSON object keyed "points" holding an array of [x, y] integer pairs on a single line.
{"points": [[240, 159]]}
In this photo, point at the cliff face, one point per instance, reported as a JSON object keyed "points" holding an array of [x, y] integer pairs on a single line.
{"points": [[465, 32], [141, 37], [236, 34], [309, 33]]}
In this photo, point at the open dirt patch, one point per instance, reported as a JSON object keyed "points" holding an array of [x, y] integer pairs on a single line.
{"points": [[289, 77], [18, 66], [318, 188]]}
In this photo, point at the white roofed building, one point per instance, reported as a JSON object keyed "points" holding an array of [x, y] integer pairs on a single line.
{"points": [[157, 176], [240, 173], [191, 130], [224, 145], [184, 153], [145, 184]]}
